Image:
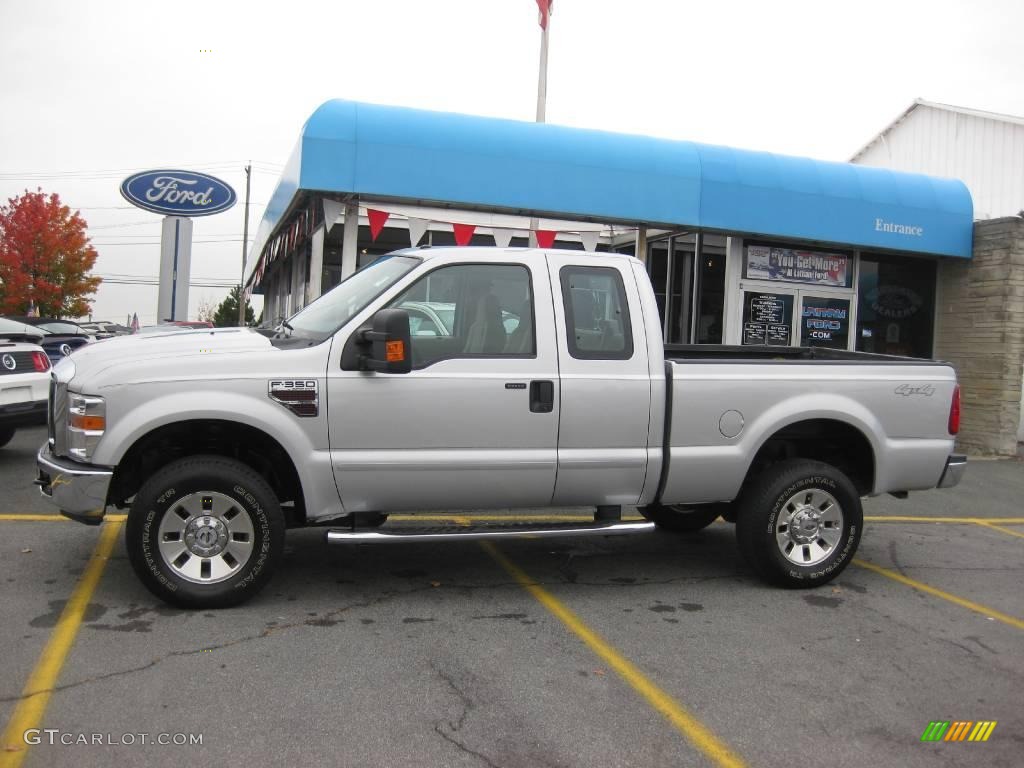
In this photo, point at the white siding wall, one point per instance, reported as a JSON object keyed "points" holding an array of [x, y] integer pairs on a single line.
{"points": [[986, 154]]}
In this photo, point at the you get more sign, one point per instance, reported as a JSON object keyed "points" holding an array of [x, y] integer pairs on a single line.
{"points": [[178, 193]]}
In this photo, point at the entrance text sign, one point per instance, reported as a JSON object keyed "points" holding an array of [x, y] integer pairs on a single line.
{"points": [[765, 262], [178, 193], [767, 318]]}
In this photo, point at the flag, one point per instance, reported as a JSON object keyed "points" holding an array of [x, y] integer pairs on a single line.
{"points": [[463, 233], [546, 238], [377, 220], [544, 6], [135, 322]]}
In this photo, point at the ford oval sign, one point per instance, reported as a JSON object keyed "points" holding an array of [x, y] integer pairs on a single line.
{"points": [[178, 193]]}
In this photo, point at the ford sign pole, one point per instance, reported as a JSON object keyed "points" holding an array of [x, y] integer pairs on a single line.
{"points": [[180, 195]]}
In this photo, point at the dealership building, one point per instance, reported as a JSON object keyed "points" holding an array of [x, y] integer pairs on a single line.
{"points": [[742, 247]]}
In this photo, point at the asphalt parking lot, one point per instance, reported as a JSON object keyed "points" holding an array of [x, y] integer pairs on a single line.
{"points": [[654, 650]]}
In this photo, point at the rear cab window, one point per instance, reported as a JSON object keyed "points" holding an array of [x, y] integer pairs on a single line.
{"points": [[596, 313]]}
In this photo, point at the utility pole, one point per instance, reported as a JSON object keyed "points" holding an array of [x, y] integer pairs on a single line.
{"points": [[542, 88], [245, 247]]}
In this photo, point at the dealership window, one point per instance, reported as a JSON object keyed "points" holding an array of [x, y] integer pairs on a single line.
{"points": [[796, 296], [896, 305]]}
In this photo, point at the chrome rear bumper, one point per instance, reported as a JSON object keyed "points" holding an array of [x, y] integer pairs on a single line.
{"points": [[79, 491], [955, 466]]}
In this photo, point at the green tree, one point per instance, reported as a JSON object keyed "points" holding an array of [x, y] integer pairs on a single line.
{"points": [[226, 315]]}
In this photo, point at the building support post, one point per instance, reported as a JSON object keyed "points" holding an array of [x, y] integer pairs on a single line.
{"points": [[350, 239], [316, 264], [641, 243]]}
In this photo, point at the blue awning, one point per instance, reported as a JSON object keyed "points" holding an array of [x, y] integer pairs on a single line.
{"points": [[558, 172]]}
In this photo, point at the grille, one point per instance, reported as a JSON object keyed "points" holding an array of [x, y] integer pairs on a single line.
{"points": [[22, 363]]}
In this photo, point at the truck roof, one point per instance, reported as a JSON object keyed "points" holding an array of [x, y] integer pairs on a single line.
{"points": [[490, 252]]}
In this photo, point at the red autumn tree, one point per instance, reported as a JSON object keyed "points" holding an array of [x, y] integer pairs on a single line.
{"points": [[45, 258]]}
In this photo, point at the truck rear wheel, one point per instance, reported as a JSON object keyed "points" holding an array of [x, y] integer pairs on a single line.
{"points": [[682, 519], [799, 523], [205, 532]]}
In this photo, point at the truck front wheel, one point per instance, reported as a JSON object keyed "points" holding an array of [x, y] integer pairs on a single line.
{"points": [[205, 532], [799, 523]]}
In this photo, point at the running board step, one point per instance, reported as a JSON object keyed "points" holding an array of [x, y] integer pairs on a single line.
{"points": [[480, 532]]}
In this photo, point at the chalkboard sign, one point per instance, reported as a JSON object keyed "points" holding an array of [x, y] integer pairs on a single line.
{"points": [[824, 322], [767, 318]]}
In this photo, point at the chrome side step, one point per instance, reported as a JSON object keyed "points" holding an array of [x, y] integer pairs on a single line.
{"points": [[482, 532]]}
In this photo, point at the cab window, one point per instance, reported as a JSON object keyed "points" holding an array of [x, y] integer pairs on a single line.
{"points": [[470, 310]]}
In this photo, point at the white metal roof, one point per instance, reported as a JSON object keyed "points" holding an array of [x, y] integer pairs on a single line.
{"points": [[998, 116]]}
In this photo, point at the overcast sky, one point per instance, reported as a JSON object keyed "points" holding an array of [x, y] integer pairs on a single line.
{"points": [[92, 91]]}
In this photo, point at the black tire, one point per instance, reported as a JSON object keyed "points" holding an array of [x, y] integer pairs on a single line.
{"points": [[6, 435], [229, 483], [764, 514], [681, 519]]}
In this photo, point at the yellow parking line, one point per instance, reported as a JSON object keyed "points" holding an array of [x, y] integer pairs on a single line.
{"points": [[696, 732], [55, 518], [984, 610], [999, 528], [36, 693], [954, 520]]}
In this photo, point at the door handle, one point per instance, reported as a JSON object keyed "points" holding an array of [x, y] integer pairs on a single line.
{"points": [[542, 396]]}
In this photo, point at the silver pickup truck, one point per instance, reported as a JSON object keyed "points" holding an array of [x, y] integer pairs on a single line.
{"points": [[463, 378]]}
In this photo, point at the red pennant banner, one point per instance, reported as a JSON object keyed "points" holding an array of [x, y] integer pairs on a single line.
{"points": [[377, 219], [463, 233], [546, 238], [544, 6]]}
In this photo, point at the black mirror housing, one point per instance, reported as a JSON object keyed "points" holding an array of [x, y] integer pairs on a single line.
{"points": [[385, 345]]}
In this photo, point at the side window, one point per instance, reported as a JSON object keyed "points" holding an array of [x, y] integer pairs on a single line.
{"points": [[470, 310], [596, 314]]}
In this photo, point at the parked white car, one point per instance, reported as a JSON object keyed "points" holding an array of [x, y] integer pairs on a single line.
{"points": [[24, 387]]}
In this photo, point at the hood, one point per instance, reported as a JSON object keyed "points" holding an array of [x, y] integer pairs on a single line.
{"points": [[153, 356]]}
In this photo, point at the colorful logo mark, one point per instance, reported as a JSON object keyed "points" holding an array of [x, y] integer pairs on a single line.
{"points": [[958, 730]]}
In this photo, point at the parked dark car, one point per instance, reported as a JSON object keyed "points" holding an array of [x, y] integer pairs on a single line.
{"points": [[58, 337]]}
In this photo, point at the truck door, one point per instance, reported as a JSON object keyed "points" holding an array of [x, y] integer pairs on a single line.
{"points": [[475, 424], [606, 385]]}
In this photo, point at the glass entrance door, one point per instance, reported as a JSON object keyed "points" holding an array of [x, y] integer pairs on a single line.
{"points": [[796, 317]]}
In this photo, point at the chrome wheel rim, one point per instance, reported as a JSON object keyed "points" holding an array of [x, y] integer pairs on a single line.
{"points": [[205, 537], [809, 527]]}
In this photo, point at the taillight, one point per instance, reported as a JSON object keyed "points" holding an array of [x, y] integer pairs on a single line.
{"points": [[40, 361], [954, 411]]}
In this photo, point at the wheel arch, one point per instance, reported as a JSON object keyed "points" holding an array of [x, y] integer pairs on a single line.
{"points": [[829, 439], [246, 443]]}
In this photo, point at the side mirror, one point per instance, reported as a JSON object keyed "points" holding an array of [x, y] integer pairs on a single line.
{"points": [[385, 346]]}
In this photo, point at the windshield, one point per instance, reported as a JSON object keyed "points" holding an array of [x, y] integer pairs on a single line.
{"points": [[336, 307]]}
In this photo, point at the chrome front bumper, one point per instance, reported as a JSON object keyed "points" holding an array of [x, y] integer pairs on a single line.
{"points": [[955, 466], [79, 491]]}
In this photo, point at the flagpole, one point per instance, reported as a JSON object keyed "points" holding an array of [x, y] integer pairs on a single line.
{"points": [[542, 99]]}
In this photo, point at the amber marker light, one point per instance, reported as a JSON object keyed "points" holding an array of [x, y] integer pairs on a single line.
{"points": [[88, 423], [395, 351]]}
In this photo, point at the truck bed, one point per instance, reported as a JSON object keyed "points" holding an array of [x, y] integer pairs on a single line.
{"points": [[725, 404], [718, 353]]}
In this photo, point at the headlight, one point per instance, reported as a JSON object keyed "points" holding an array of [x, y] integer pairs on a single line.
{"points": [[87, 419]]}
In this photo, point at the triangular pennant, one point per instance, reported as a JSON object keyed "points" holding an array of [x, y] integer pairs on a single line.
{"points": [[332, 212], [545, 238], [463, 233], [589, 240], [502, 237], [377, 219], [417, 228]]}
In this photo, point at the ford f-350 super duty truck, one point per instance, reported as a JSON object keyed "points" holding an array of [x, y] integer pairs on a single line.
{"points": [[464, 378]]}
